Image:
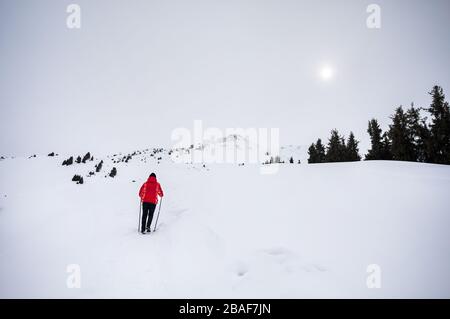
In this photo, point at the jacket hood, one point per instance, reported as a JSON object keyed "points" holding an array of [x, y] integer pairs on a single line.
{"points": [[151, 179]]}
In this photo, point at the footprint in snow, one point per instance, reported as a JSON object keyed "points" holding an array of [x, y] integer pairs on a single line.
{"points": [[291, 260], [277, 251], [240, 269], [178, 212]]}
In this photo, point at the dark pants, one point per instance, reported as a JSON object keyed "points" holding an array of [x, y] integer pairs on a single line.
{"points": [[147, 215]]}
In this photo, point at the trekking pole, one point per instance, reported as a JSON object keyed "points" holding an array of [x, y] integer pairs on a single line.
{"points": [[157, 217], [139, 221]]}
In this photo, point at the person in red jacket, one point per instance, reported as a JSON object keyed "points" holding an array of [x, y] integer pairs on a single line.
{"points": [[149, 193]]}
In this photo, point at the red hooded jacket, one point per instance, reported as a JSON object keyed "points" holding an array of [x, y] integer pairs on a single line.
{"points": [[150, 190]]}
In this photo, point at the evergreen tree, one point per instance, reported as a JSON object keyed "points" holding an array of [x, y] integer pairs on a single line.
{"points": [[86, 157], [98, 167], [439, 139], [320, 149], [113, 172], [418, 134], [316, 152], [376, 151], [336, 148], [78, 179], [68, 161], [352, 153], [386, 153], [402, 143], [312, 152]]}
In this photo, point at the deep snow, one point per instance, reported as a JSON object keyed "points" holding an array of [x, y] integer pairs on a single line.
{"points": [[225, 230]]}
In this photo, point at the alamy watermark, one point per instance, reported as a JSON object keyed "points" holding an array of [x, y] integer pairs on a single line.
{"points": [[74, 278], [374, 278], [208, 145], [374, 19], [73, 20]]}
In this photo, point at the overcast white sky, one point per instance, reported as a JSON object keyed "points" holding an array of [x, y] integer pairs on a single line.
{"points": [[138, 69]]}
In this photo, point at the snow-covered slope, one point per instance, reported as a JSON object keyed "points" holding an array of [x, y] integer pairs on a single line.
{"points": [[225, 230]]}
